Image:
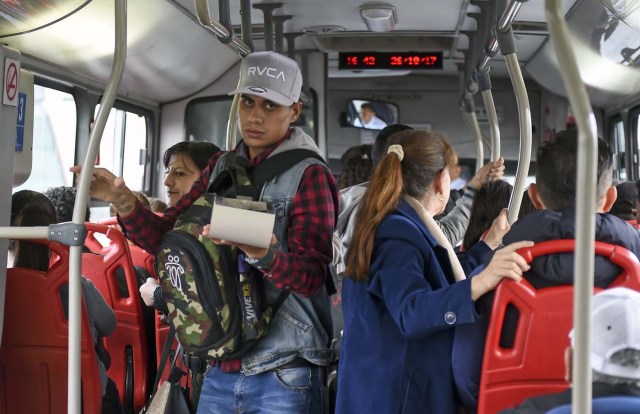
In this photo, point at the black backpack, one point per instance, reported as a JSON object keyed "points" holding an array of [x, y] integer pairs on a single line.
{"points": [[216, 302]]}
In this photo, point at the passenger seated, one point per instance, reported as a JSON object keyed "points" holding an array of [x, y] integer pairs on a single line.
{"points": [[141, 197], [625, 205], [157, 205], [30, 208], [554, 194], [615, 352], [487, 205]]}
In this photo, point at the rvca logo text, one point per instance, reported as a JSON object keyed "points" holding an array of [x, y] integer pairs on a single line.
{"points": [[270, 72]]}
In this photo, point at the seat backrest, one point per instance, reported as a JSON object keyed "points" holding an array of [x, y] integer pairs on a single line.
{"points": [[114, 276], [33, 355], [606, 405], [533, 366], [139, 257]]}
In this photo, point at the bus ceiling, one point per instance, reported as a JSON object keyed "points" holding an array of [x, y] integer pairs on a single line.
{"points": [[73, 39]]}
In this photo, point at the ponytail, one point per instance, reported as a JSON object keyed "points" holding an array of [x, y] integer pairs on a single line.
{"points": [[413, 161], [381, 198]]}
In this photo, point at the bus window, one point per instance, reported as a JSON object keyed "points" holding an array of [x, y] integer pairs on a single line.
{"points": [[619, 149], [206, 120], [54, 134], [123, 148]]}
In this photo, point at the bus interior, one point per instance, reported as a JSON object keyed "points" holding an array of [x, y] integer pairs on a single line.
{"points": [[423, 63]]}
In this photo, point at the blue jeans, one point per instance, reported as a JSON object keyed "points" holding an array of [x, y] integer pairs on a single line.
{"points": [[291, 391]]}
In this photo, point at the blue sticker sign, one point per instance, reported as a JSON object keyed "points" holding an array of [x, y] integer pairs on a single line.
{"points": [[22, 108]]}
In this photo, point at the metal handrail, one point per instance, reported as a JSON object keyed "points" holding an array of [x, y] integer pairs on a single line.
{"points": [[494, 127], [585, 214], [509, 15], [524, 118], [82, 197], [469, 115], [204, 16]]}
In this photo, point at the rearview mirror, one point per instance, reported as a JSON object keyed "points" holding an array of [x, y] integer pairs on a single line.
{"points": [[371, 114]]}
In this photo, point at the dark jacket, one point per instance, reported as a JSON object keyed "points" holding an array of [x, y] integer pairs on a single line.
{"points": [[398, 325], [557, 269], [552, 270]]}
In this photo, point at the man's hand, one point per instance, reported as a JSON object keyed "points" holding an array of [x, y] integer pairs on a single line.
{"points": [[252, 252], [106, 186]]}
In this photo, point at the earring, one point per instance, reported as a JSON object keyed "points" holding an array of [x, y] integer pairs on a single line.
{"points": [[441, 197]]}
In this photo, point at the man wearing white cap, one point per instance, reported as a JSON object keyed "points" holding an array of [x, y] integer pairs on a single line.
{"points": [[615, 352], [282, 373]]}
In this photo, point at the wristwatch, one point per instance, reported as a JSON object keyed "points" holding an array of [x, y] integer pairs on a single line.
{"points": [[263, 263]]}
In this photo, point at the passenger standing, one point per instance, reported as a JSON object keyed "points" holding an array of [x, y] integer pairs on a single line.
{"points": [[356, 166], [183, 163], [405, 289], [283, 372], [490, 200], [453, 224]]}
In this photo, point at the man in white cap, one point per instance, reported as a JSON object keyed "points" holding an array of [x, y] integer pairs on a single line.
{"points": [[283, 372], [615, 352]]}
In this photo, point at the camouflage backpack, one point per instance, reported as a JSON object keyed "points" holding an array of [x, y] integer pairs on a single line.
{"points": [[215, 299]]}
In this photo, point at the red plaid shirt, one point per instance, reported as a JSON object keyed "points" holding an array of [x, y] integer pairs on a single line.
{"points": [[303, 269]]}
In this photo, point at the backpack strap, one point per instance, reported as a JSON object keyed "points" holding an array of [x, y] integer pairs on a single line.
{"points": [[234, 174], [232, 180], [277, 164], [165, 355], [237, 179], [273, 166]]}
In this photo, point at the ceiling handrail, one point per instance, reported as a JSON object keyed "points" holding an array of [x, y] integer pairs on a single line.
{"points": [[221, 32]]}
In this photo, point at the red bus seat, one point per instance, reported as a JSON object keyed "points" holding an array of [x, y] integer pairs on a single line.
{"points": [[533, 366], [128, 345], [143, 259], [33, 356], [139, 257]]}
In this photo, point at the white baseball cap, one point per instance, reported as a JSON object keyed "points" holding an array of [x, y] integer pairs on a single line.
{"points": [[271, 76], [615, 325]]}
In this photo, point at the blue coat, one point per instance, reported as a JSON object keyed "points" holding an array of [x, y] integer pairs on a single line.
{"points": [[396, 351]]}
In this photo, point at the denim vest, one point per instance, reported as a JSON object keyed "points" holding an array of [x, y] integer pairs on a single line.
{"points": [[302, 326]]}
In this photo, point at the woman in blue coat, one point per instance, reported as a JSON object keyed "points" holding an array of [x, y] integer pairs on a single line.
{"points": [[405, 289]]}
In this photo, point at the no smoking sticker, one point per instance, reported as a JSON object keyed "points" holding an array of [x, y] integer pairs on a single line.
{"points": [[10, 82]]}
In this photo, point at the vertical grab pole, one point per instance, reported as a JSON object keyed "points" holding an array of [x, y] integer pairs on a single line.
{"points": [[80, 206], [469, 116], [487, 98], [484, 82], [585, 214], [508, 49]]}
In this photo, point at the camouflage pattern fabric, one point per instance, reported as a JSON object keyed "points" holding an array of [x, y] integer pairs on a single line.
{"points": [[199, 280]]}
